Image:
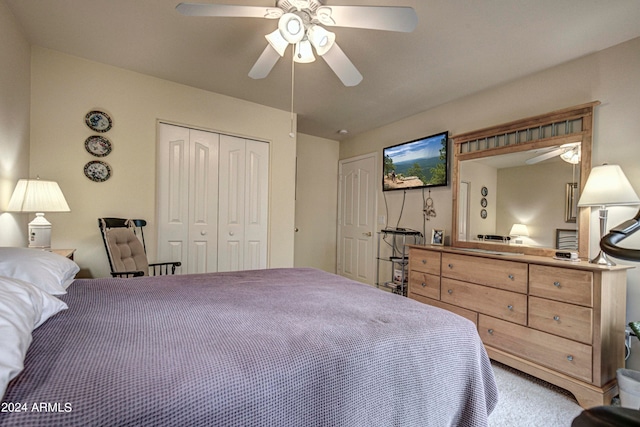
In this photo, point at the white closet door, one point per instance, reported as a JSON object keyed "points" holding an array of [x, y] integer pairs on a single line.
{"points": [[256, 204], [203, 202], [243, 195], [187, 198], [231, 213]]}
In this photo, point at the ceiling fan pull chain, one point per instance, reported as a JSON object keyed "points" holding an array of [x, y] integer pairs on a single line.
{"points": [[293, 64]]}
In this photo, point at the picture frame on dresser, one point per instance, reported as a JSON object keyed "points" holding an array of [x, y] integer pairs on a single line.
{"points": [[437, 237]]}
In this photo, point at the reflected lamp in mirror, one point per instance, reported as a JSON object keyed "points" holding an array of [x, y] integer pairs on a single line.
{"points": [[519, 230], [38, 196], [607, 186]]}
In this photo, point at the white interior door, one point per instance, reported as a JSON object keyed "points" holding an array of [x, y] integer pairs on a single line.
{"points": [[356, 218], [243, 193], [187, 197]]}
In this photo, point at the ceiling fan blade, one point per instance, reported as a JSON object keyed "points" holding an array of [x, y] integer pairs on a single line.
{"points": [[228, 10], [389, 18], [265, 63], [342, 66], [545, 156]]}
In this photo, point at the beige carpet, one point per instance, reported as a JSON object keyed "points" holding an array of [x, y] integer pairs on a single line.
{"points": [[527, 401]]}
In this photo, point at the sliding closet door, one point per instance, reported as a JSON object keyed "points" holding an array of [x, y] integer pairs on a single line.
{"points": [[243, 195], [188, 197]]}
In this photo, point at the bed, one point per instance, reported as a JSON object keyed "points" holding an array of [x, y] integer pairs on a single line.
{"points": [[277, 347]]}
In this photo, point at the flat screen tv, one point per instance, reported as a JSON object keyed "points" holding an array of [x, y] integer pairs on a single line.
{"points": [[416, 164]]}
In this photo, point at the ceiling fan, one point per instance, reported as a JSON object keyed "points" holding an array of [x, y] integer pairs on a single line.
{"points": [[301, 23], [570, 153]]}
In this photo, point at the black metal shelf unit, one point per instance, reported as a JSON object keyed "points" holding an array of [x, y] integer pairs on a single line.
{"points": [[394, 255]]}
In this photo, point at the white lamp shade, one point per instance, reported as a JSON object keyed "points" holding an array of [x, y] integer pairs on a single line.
{"points": [[277, 42], [303, 52], [291, 27], [321, 39], [37, 195], [519, 230], [608, 186]]}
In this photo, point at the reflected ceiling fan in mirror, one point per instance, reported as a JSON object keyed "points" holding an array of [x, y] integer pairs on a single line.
{"points": [[570, 153], [301, 24]]}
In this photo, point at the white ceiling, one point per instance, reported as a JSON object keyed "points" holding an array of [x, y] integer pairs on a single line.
{"points": [[459, 47]]}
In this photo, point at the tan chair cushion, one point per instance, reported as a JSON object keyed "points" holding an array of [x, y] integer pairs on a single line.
{"points": [[127, 252]]}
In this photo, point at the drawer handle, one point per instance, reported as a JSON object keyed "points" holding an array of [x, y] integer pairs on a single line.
{"points": [[556, 318], [490, 331], [423, 284], [556, 284], [450, 265], [570, 358], [450, 291], [424, 261], [510, 307], [511, 276]]}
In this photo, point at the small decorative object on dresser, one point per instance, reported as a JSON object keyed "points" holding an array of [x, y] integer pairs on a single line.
{"points": [[437, 237], [558, 321]]}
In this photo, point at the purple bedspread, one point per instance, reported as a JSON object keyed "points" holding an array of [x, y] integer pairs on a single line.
{"points": [[280, 347]]}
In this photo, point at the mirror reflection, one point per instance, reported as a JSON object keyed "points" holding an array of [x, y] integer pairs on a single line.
{"points": [[524, 199]]}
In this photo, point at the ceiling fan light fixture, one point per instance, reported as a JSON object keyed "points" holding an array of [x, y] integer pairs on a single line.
{"points": [[571, 156], [323, 14], [321, 39], [273, 13], [277, 42], [303, 52], [291, 27]]}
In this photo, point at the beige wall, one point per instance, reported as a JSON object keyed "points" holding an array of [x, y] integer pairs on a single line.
{"points": [[64, 88], [15, 57], [316, 203], [611, 76]]}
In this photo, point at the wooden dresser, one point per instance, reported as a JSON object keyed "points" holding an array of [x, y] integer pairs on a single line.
{"points": [[560, 321]]}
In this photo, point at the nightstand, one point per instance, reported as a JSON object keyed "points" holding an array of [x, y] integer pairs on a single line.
{"points": [[64, 252]]}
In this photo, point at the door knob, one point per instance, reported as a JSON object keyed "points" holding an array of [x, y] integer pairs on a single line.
{"points": [[231, 233], [203, 233], [368, 234]]}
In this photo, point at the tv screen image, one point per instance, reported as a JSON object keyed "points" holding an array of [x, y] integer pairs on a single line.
{"points": [[416, 164]]}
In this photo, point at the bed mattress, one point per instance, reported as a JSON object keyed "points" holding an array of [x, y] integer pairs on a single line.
{"points": [[278, 347]]}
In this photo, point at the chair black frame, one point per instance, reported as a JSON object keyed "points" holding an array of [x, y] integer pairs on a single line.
{"points": [[157, 268]]}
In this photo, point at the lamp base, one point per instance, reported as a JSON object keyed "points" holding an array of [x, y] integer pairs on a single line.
{"points": [[40, 232], [602, 259]]}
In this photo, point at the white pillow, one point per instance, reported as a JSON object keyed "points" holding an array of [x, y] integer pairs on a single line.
{"points": [[23, 307], [50, 272]]}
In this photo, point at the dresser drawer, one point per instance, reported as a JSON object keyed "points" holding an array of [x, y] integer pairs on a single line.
{"points": [[424, 261], [500, 274], [468, 314], [424, 284], [561, 354], [561, 284], [505, 305], [566, 320]]}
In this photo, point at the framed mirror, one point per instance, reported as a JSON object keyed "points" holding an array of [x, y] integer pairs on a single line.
{"points": [[516, 184]]}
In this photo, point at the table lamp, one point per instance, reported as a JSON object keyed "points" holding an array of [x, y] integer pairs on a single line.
{"points": [[607, 186], [519, 230], [39, 196]]}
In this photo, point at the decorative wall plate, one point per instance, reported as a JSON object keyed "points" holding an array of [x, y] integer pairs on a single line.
{"points": [[484, 191], [98, 121], [98, 145], [483, 213], [97, 171], [483, 202]]}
